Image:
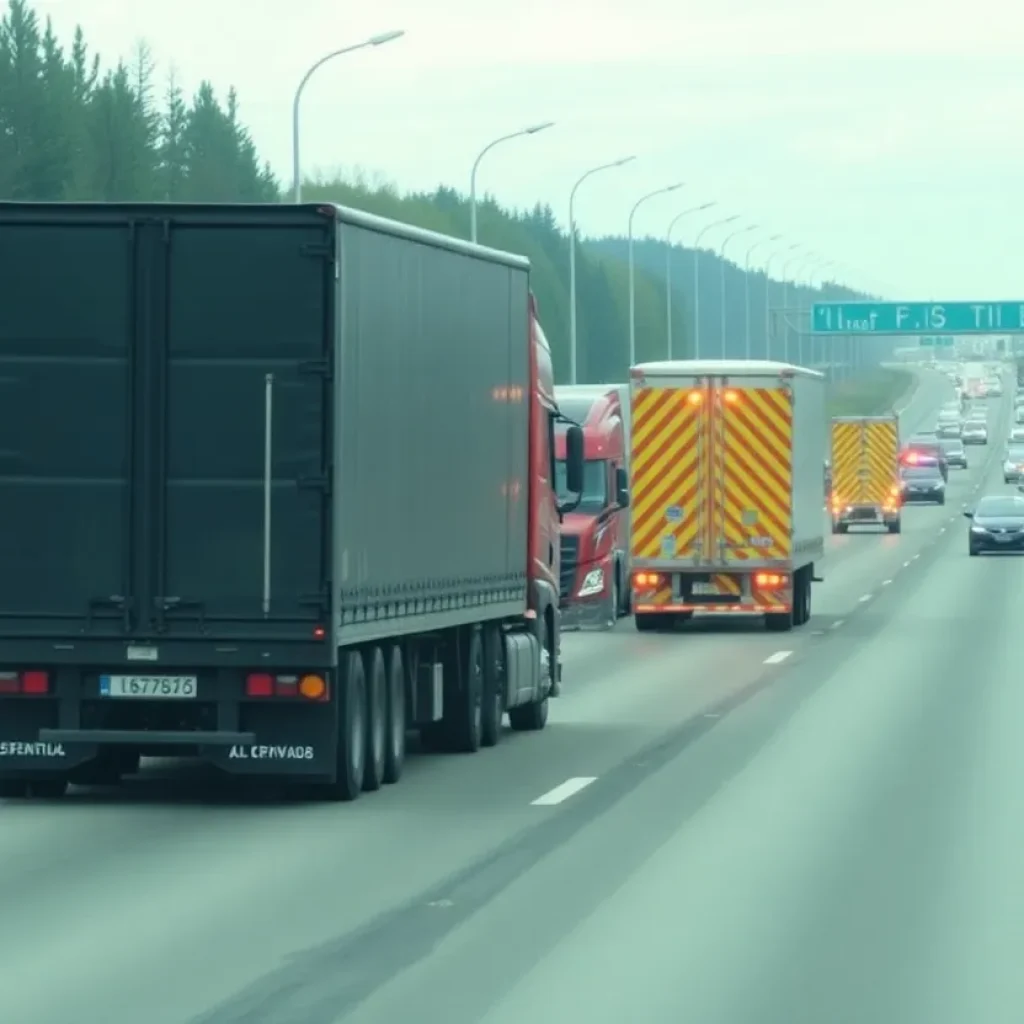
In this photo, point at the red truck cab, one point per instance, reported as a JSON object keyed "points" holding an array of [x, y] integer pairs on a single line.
{"points": [[594, 572]]}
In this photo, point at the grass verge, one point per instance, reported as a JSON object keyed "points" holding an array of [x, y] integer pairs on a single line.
{"points": [[871, 393]]}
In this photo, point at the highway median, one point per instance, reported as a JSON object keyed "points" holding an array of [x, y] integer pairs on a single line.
{"points": [[871, 393]]}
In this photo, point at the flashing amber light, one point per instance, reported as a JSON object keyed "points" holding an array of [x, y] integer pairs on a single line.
{"points": [[313, 687], [646, 580], [771, 580], [731, 397], [911, 458], [695, 398]]}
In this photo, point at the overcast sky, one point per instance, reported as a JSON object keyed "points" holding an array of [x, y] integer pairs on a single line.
{"points": [[885, 135]]}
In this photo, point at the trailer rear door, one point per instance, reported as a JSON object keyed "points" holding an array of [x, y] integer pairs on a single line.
{"points": [[164, 377]]}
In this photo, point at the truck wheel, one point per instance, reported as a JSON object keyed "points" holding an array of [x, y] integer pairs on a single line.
{"points": [[376, 719], [48, 789], [652, 622], [494, 686], [465, 726], [394, 757], [351, 756], [895, 526], [841, 528], [780, 622], [16, 789], [529, 717]]}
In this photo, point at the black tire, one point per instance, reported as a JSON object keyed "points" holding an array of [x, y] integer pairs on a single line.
{"points": [[376, 719], [842, 527], [896, 527], [973, 552], [394, 759], [493, 687], [48, 789], [351, 760], [780, 622], [13, 789], [942, 500], [464, 713], [652, 622]]}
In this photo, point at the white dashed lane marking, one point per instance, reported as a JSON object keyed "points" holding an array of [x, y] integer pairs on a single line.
{"points": [[777, 658], [562, 792]]}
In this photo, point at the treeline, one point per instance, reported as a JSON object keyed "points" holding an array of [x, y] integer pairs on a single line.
{"points": [[71, 130]]}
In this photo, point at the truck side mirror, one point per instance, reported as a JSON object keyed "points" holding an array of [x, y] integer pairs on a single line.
{"points": [[622, 488], [574, 459]]}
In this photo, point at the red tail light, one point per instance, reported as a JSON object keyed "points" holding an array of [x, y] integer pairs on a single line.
{"points": [[32, 683], [309, 685], [771, 580]]}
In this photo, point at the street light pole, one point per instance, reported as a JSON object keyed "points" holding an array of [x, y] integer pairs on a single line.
{"points": [[572, 255], [668, 266], [767, 296], [721, 268], [746, 288], [632, 267], [532, 130], [798, 256], [696, 277], [379, 40]]}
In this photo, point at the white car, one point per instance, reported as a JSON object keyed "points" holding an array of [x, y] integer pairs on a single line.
{"points": [[1013, 464], [1016, 436], [975, 432]]}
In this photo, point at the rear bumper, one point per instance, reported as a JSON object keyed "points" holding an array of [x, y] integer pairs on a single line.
{"points": [[75, 726], [923, 497], [866, 515]]}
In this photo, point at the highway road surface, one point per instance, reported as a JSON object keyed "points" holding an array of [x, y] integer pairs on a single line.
{"points": [[719, 826]]}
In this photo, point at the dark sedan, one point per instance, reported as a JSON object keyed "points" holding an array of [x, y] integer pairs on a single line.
{"points": [[923, 481], [997, 524], [955, 452]]}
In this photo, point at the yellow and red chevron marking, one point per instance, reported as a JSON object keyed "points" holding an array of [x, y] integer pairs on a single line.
{"points": [[726, 584], [651, 590], [664, 482], [865, 455], [755, 489]]}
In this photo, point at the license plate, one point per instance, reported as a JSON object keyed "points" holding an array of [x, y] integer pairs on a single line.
{"points": [[154, 687], [1004, 538], [704, 589]]}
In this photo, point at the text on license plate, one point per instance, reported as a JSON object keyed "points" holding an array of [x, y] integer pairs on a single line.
{"points": [[158, 687], [704, 589]]}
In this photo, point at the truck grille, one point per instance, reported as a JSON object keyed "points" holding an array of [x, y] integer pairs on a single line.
{"points": [[569, 560]]}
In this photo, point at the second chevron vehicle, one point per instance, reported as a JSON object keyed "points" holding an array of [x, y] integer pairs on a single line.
{"points": [[725, 488], [866, 472]]}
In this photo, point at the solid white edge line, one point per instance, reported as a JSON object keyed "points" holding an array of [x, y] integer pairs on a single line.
{"points": [[562, 792], [777, 658]]}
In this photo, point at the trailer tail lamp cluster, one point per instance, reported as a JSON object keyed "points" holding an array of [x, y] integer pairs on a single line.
{"points": [[32, 684], [647, 580], [771, 581], [264, 684]]}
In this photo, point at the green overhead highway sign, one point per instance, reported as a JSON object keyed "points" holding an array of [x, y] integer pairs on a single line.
{"points": [[937, 340], [917, 317]]}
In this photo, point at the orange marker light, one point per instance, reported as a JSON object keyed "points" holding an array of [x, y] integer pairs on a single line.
{"points": [[313, 687], [695, 398]]}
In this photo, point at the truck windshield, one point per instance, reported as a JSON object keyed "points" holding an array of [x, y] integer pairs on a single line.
{"points": [[595, 485]]}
